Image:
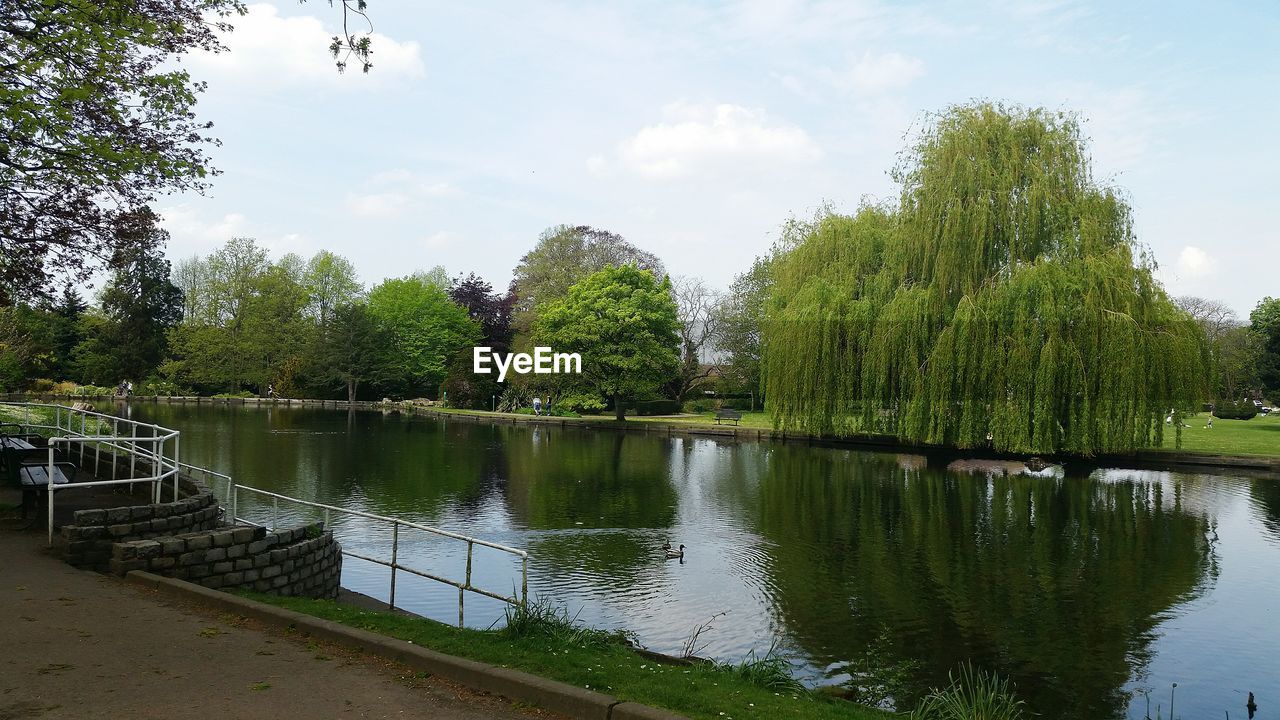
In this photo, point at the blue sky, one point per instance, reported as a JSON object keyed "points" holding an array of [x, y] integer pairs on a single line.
{"points": [[696, 129]]}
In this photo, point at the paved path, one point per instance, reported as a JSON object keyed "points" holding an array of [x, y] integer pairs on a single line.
{"points": [[75, 644]]}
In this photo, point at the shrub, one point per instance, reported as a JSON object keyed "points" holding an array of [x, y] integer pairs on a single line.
{"points": [[1241, 410], [656, 407], [65, 387], [700, 406], [971, 695]]}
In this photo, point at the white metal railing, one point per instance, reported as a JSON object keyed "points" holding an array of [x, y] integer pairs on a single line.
{"points": [[394, 563], [77, 428], [157, 448]]}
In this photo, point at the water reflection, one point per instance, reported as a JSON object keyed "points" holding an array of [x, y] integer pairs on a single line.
{"points": [[1083, 588]]}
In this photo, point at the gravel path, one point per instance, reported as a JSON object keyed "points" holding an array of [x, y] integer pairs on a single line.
{"points": [[75, 644]]}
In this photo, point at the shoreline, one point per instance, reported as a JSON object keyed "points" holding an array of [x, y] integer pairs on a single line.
{"points": [[1146, 459]]}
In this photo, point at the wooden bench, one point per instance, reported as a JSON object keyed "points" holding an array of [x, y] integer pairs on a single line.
{"points": [[728, 414], [34, 480]]}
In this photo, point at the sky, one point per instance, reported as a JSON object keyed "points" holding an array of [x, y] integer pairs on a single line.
{"points": [[696, 129]]}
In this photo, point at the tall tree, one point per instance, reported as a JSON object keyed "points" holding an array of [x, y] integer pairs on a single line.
{"points": [[423, 328], [97, 120], [623, 323], [353, 349], [66, 314], [1264, 321], [330, 281], [564, 255], [695, 307], [1004, 300]]}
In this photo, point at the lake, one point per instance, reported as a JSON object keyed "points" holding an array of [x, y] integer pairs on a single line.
{"points": [[1093, 590]]}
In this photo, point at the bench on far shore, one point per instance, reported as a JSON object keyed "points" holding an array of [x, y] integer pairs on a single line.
{"points": [[728, 414]]}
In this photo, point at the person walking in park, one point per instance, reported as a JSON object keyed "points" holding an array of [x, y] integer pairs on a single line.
{"points": [[537, 406]]}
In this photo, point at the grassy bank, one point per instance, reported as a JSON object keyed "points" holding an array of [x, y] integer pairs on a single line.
{"points": [[553, 648], [1257, 436]]}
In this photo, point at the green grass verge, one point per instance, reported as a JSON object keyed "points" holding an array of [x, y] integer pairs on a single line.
{"points": [[1257, 436], [599, 661]]}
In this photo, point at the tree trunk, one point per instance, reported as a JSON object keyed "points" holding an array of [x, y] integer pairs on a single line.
{"points": [[352, 384], [618, 409]]}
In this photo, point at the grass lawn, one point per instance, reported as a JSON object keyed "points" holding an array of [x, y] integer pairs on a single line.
{"points": [[1257, 436], [599, 661]]}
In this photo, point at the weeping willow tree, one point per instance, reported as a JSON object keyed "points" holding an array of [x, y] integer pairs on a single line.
{"points": [[1004, 301]]}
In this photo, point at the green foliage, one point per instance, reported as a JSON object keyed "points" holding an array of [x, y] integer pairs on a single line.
{"points": [[972, 695], [1236, 410], [97, 120], [423, 329], [1264, 321], [565, 255], [770, 671], [623, 322], [656, 407], [1004, 301]]}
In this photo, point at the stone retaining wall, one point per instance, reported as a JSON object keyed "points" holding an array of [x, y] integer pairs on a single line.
{"points": [[304, 561], [87, 541]]}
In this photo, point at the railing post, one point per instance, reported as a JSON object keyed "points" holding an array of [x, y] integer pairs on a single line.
{"points": [[82, 416], [524, 580], [466, 584], [275, 512], [115, 432], [235, 490], [395, 554], [49, 494], [176, 466]]}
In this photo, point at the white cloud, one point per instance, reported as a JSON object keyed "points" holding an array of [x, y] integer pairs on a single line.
{"points": [[440, 240], [695, 138], [1194, 262], [191, 234], [876, 73], [269, 50], [392, 191]]}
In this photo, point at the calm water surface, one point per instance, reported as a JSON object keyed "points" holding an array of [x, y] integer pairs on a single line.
{"points": [[1092, 592]]}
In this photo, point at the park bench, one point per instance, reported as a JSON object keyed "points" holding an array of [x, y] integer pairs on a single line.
{"points": [[23, 465], [728, 414]]}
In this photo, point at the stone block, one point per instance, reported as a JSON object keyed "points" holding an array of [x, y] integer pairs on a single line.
{"points": [[120, 567], [195, 572], [236, 551], [222, 567], [245, 534], [262, 585], [262, 561], [141, 512], [117, 515], [195, 557], [279, 581], [163, 563], [251, 575], [119, 530], [199, 542], [90, 517], [278, 556], [148, 549], [243, 563], [164, 510], [160, 524], [233, 578], [124, 551], [270, 571], [213, 581], [223, 539], [172, 545], [262, 545]]}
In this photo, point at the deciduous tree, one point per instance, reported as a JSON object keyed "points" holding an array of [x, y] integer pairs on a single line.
{"points": [[1003, 301], [623, 322]]}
